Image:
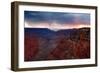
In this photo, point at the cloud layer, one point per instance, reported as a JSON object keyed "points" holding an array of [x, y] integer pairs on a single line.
{"points": [[58, 17], [56, 20]]}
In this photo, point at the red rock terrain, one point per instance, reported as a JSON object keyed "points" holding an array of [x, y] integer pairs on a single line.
{"points": [[73, 45]]}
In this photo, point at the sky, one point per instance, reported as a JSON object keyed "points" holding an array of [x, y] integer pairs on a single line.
{"points": [[56, 20]]}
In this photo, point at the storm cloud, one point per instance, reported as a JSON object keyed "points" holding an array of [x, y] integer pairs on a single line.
{"points": [[58, 17]]}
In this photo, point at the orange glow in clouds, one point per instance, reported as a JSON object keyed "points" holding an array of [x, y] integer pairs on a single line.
{"points": [[55, 26]]}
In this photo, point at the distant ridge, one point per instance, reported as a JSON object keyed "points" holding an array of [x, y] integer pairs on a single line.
{"points": [[47, 33]]}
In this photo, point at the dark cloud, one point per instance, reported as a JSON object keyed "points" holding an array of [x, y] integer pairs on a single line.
{"points": [[59, 17]]}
